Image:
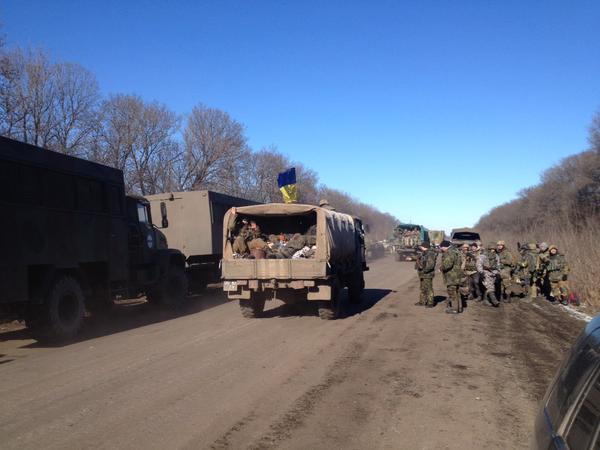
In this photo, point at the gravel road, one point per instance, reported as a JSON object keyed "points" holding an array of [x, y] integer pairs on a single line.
{"points": [[389, 375]]}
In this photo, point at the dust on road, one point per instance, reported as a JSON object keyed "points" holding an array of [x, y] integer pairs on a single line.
{"points": [[388, 375]]}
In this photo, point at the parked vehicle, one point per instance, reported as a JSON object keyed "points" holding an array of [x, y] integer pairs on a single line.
{"points": [[335, 258], [408, 238], [196, 228], [71, 239], [569, 416], [461, 236]]}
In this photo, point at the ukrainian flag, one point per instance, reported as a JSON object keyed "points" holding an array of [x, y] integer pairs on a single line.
{"points": [[287, 185]]}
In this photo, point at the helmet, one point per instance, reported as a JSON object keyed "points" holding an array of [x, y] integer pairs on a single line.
{"points": [[491, 244], [323, 202], [531, 246], [501, 243], [465, 245], [543, 246], [553, 247]]}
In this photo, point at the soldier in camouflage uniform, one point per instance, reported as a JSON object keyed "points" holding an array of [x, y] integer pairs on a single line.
{"points": [[453, 276], [488, 266], [558, 271], [529, 264], [472, 273], [425, 265], [542, 261], [507, 267]]}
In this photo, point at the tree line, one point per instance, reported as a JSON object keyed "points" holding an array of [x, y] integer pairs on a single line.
{"points": [[59, 106], [562, 209]]}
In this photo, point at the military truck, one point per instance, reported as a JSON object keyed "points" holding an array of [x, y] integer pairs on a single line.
{"points": [[196, 228], [461, 236], [72, 240], [436, 237], [337, 259], [408, 238]]}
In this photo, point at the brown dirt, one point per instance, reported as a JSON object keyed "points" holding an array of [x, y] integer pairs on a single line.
{"points": [[388, 375]]}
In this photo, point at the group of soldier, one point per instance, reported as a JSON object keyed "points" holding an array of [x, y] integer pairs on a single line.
{"points": [[492, 274]]}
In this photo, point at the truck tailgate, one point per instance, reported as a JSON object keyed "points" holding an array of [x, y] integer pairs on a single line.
{"points": [[273, 268]]}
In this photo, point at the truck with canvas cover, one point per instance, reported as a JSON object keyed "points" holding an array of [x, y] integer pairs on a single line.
{"points": [[72, 240], [196, 229], [292, 252], [408, 238]]}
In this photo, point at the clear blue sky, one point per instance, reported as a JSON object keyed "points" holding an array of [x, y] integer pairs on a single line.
{"points": [[434, 111]]}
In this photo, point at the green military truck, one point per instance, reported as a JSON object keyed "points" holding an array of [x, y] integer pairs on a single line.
{"points": [[408, 237], [196, 228], [72, 240], [334, 259]]}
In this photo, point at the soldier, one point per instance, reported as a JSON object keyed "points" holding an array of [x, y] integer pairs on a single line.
{"points": [[472, 273], [488, 267], [542, 261], [530, 265], [464, 289], [425, 265], [453, 276], [323, 203], [239, 244], [558, 271], [507, 266]]}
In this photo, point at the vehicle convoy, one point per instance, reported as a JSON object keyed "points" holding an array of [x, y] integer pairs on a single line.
{"points": [[408, 238], [196, 228], [461, 236], [569, 416], [313, 253], [73, 240]]}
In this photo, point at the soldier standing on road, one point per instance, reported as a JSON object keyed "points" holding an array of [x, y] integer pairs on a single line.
{"points": [[453, 276], [529, 263], [425, 265], [472, 273], [507, 266], [558, 271], [488, 267], [542, 261], [464, 289]]}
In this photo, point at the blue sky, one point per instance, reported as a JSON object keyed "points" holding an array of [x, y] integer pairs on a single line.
{"points": [[434, 111]]}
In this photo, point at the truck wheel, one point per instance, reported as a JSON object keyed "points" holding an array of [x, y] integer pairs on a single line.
{"points": [[356, 286], [171, 290], [330, 309], [61, 315], [253, 308]]}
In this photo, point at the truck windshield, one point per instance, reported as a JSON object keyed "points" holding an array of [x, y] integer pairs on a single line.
{"points": [[142, 214]]}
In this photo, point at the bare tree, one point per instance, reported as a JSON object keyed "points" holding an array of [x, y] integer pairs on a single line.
{"points": [[212, 141]]}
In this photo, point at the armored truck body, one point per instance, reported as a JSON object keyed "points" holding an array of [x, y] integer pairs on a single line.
{"points": [[71, 239]]}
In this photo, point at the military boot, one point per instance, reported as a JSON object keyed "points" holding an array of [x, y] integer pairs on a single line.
{"points": [[492, 299]]}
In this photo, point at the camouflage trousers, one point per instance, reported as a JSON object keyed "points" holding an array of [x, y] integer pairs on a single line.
{"points": [[505, 282], [426, 294], [488, 279], [454, 298], [559, 290]]}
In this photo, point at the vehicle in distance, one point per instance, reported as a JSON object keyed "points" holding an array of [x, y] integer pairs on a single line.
{"points": [[408, 238], [196, 229], [569, 416], [72, 240], [461, 236], [332, 258]]}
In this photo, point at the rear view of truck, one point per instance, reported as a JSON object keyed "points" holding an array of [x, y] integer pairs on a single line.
{"points": [[293, 253]]}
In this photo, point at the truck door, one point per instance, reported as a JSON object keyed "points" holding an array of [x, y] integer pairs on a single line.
{"points": [[142, 239]]}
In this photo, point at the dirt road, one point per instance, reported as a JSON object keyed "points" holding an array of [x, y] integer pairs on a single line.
{"points": [[389, 375]]}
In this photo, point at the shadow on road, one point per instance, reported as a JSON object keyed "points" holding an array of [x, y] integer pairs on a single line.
{"points": [[370, 298], [126, 315]]}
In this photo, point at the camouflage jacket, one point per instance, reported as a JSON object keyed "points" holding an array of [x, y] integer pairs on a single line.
{"points": [[530, 263], [542, 262], [425, 264], [507, 260], [471, 262], [488, 262], [451, 267], [557, 267]]}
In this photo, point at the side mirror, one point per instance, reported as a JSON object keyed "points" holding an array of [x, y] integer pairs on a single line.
{"points": [[366, 227], [163, 213]]}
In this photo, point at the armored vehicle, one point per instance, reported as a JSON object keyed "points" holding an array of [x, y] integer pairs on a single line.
{"points": [[73, 240], [461, 236], [313, 253], [196, 228], [408, 238]]}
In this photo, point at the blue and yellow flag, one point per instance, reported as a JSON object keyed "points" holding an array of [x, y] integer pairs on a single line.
{"points": [[287, 185]]}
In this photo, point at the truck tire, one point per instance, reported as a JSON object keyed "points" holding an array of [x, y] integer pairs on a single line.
{"points": [[61, 315], [171, 290], [330, 309], [253, 308], [356, 286]]}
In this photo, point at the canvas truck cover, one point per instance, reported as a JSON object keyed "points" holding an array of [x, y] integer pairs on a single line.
{"points": [[336, 244]]}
